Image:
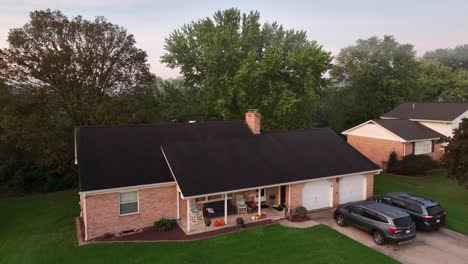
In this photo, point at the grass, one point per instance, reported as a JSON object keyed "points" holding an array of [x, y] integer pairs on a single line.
{"points": [[438, 187], [40, 229]]}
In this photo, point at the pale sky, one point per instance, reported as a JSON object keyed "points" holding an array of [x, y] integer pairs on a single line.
{"points": [[333, 24]]}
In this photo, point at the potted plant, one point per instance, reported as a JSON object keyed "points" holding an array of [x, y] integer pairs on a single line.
{"points": [[207, 221], [240, 222], [272, 199]]}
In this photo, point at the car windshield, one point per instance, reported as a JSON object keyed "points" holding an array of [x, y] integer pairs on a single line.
{"points": [[435, 210], [404, 221]]}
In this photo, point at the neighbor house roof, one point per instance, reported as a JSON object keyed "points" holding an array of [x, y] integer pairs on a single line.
{"points": [[209, 167], [130, 155], [407, 129], [436, 111]]}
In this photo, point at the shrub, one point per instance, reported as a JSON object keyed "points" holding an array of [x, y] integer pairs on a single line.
{"points": [[164, 224], [392, 161], [301, 211], [415, 165]]}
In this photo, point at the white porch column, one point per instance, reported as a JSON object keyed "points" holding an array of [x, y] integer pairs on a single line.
{"points": [[225, 209], [279, 196], [178, 205], [259, 204], [188, 215]]}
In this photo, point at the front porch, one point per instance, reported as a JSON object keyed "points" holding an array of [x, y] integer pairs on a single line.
{"points": [[203, 213], [200, 226]]}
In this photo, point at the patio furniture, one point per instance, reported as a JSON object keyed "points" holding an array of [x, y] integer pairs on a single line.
{"points": [[218, 208], [241, 206], [195, 214]]}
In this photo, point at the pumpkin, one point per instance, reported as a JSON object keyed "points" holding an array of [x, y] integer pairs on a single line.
{"points": [[216, 223], [257, 217], [253, 217], [221, 222], [263, 215]]}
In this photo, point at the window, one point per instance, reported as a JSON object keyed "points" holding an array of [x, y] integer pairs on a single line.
{"points": [[403, 222], [414, 208], [422, 147], [205, 199], [374, 216], [398, 203], [357, 210], [128, 202], [435, 210]]}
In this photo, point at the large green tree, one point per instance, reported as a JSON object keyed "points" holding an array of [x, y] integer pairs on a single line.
{"points": [[456, 58], [76, 63], [237, 63], [456, 155], [371, 77]]}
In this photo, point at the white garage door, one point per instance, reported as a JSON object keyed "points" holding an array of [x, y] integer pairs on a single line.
{"points": [[352, 188], [317, 194]]}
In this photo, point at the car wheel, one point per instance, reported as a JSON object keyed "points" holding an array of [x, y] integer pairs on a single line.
{"points": [[340, 220], [379, 237]]}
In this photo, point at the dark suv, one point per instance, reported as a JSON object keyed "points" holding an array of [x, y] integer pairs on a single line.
{"points": [[426, 214], [384, 222]]}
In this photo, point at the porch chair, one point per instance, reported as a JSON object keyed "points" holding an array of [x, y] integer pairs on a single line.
{"points": [[240, 203], [195, 214]]}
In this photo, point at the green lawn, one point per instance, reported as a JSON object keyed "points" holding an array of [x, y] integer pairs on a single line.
{"points": [[438, 187], [40, 229]]}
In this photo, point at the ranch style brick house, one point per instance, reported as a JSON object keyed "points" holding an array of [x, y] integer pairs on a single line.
{"points": [[133, 175], [409, 128]]}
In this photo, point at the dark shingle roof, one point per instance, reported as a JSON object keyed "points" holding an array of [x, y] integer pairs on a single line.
{"points": [[119, 156], [428, 111], [205, 167], [407, 129]]}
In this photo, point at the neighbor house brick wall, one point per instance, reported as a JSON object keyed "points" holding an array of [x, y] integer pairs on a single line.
{"points": [[438, 151], [369, 185], [102, 211], [377, 150]]}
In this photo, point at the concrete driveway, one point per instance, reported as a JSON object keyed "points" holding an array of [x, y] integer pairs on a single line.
{"points": [[443, 246]]}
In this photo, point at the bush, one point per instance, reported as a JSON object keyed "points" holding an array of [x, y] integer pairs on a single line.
{"points": [[301, 211], [164, 224], [392, 161], [415, 165]]}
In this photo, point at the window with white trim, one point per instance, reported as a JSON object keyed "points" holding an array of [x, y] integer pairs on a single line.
{"points": [[212, 198], [128, 202], [422, 147]]}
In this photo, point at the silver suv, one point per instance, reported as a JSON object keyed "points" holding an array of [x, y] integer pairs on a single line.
{"points": [[384, 222]]}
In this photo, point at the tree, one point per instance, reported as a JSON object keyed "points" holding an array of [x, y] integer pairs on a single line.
{"points": [[236, 63], [456, 58], [75, 63], [433, 81], [374, 75], [455, 157]]}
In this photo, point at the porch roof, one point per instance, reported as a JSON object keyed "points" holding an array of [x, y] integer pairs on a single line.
{"points": [[208, 167]]}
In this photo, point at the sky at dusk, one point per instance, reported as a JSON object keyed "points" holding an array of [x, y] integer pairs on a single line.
{"points": [[333, 24]]}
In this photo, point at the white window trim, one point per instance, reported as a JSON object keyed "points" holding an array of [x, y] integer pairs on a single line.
{"points": [[426, 143], [214, 200], [138, 203]]}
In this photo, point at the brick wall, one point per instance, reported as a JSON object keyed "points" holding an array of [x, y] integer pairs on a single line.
{"points": [[377, 150], [101, 213], [296, 195], [369, 185]]}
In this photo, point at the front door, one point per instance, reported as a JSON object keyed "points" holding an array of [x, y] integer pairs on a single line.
{"points": [[283, 194]]}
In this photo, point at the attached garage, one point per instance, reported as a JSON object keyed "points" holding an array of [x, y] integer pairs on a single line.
{"points": [[352, 188], [317, 194]]}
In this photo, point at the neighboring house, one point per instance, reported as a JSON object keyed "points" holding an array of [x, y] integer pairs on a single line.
{"points": [[132, 175], [441, 117], [410, 128]]}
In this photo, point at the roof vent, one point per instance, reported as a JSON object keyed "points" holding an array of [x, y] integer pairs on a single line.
{"points": [[414, 105]]}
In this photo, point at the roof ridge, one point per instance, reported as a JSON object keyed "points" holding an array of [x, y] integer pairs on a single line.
{"points": [[162, 124]]}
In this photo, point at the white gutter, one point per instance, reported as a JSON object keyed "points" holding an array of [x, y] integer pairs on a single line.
{"points": [[127, 188]]}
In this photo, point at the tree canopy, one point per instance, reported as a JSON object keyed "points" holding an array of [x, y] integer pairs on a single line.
{"points": [[370, 78], [456, 58], [456, 154], [237, 63], [76, 63]]}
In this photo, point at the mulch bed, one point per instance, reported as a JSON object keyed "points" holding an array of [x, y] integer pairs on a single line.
{"points": [[149, 234], [297, 218]]}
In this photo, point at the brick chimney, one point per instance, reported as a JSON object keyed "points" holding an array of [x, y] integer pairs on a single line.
{"points": [[252, 118]]}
